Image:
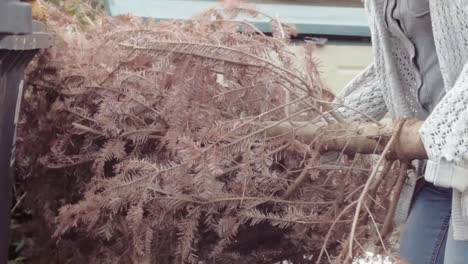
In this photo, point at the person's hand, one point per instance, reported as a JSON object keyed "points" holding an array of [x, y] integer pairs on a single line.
{"points": [[408, 144]]}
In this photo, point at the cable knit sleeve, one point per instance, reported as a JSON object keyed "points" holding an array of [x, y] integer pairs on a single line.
{"points": [[362, 97], [445, 137]]}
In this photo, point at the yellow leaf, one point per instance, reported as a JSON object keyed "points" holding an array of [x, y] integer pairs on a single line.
{"points": [[39, 12]]}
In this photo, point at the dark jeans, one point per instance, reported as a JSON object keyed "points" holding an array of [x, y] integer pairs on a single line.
{"points": [[427, 237]]}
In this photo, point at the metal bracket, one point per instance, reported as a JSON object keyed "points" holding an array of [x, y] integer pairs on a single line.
{"points": [[15, 17], [37, 40]]}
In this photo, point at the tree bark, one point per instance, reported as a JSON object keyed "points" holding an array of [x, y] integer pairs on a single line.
{"points": [[353, 138]]}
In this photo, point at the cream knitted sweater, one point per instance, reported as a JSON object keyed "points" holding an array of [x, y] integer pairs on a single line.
{"points": [[389, 86]]}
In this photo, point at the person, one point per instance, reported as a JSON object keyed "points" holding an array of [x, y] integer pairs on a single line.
{"points": [[420, 70]]}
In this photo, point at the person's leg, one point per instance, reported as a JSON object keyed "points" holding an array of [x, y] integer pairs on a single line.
{"points": [[424, 235], [456, 252]]}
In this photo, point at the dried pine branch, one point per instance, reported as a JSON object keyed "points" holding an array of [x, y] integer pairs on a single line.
{"points": [[175, 138]]}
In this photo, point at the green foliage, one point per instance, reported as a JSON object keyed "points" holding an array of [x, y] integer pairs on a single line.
{"points": [[18, 260], [85, 11], [18, 247]]}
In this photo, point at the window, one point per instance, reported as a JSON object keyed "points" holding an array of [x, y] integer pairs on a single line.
{"points": [[340, 3], [338, 18]]}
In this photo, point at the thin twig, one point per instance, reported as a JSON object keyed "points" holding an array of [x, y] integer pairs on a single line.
{"points": [[379, 234], [269, 127], [341, 186], [387, 227], [146, 131], [328, 235], [368, 184], [369, 118], [18, 202], [234, 90], [188, 198], [126, 95], [299, 180], [284, 72], [301, 222], [81, 115], [88, 129], [257, 117], [376, 184]]}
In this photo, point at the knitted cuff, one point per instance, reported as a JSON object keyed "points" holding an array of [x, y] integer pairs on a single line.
{"points": [[447, 174], [464, 205]]}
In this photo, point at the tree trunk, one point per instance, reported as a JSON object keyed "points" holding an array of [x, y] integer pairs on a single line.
{"points": [[353, 138]]}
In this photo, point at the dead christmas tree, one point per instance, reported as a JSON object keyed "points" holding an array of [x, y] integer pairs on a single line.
{"points": [[198, 142]]}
